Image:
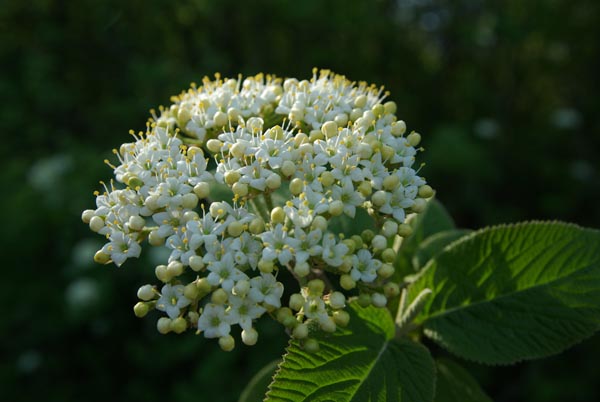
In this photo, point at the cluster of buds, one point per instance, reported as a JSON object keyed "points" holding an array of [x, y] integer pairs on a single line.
{"points": [[242, 181]]}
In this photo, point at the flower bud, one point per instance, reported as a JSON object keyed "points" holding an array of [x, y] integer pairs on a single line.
{"points": [[231, 177], [378, 300], [316, 287], [355, 114], [190, 291], [391, 182], [277, 215], [175, 268], [389, 229], [273, 181], [419, 205], [404, 230], [358, 241], [296, 186], [346, 282], [300, 332], [283, 313], [336, 208], [218, 296], [249, 336], [266, 267], [378, 110], [227, 343], [386, 271], [155, 239], [257, 226], [163, 325], [203, 286], [388, 255], [241, 288], [140, 309], [233, 114], [390, 107], [329, 129], [320, 223], [302, 269], [179, 325], [196, 263], [146, 293], [235, 228], [327, 325], [311, 345], [360, 101], [87, 215], [96, 223], [341, 119], [379, 242], [202, 190], [162, 274], [337, 300], [379, 198], [189, 201], [364, 300], [214, 145], [414, 139], [398, 128], [101, 257], [220, 119], [296, 302], [183, 116], [315, 135], [341, 318], [288, 168], [425, 191], [367, 235], [327, 178], [391, 289]]}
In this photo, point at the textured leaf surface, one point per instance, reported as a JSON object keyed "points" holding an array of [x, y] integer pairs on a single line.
{"points": [[360, 363], [516, 292], [257, 387], [455, 384], [434, 244]]}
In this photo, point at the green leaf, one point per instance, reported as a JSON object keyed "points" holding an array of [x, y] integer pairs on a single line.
{"points": [[434, 244], [515, 292], [258, 385], [455, 384], [359, 363], [434, 219]]}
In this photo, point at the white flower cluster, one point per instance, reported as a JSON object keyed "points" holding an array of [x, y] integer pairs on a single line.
{"points": [[327, 147]]}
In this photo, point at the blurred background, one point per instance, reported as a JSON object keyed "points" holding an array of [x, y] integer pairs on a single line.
{"points": [[505, 94]]}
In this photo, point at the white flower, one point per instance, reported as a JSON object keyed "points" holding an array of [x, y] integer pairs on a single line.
{"points": [[122, 247], [243, 310], [172, 300], [265, 289], [349, 196], [224, 272], [333, 252], [213, 321], [278, 245], [364, 266]]}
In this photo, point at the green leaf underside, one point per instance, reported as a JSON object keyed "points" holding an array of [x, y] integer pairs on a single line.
{"points": [[455, 384], [516, 292], [360, 363], [434, 244], [258, 385]]}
